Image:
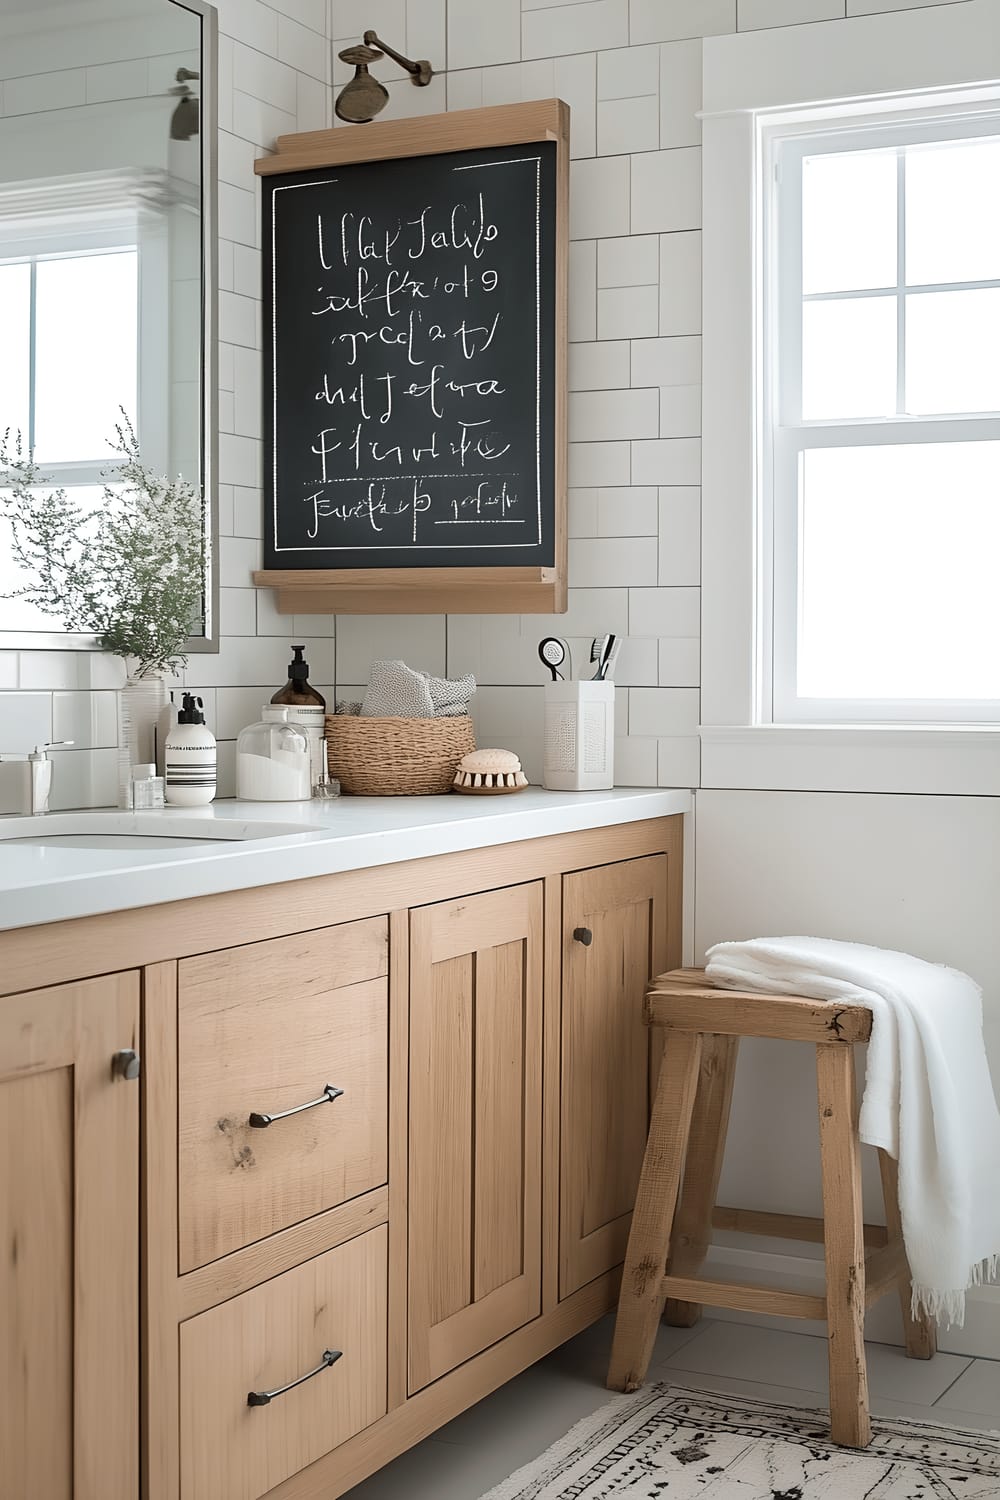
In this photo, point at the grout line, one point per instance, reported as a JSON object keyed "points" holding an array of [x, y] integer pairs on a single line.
{"points": [[969, 1363]]}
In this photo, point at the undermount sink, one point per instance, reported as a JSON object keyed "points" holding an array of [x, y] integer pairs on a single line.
{"points": [[144, 830]]}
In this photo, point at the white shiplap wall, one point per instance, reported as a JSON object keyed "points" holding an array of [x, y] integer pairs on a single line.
{"points": [[631, 71]]}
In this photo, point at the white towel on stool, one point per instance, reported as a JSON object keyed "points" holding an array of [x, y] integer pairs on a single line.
{"points": [[928, 1097]]}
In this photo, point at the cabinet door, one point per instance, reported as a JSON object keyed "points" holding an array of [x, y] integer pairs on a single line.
{"points": [[475, 1125], [69, 1243], [605, 1056]]}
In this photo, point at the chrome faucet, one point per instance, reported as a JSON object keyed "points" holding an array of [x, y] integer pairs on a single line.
{"points": [[25, 782]]}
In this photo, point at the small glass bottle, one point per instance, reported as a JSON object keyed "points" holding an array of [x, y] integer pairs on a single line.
{"points": [[147, 789]]}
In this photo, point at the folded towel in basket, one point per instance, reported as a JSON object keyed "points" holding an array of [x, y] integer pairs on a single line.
{"points": [[928, 1097], [396, 691]]}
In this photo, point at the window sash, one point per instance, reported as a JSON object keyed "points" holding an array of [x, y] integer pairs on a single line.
{"points": [[785, 436]]}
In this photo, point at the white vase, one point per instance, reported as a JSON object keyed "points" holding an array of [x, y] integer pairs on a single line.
{"points": [[139, 704]]}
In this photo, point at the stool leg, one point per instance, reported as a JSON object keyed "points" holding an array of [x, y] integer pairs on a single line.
{"points": [[692, 1232], [920, 1332], [641, 1300], [844, 1242]]}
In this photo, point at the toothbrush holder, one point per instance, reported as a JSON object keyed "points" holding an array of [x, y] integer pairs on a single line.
{"points": [[579, 736]]}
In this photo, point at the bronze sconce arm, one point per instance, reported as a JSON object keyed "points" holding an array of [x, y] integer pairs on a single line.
{"points": [[421, 71], [361, 100]]}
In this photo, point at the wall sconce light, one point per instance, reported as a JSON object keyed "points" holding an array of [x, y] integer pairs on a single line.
{"points": [[361, 100]]}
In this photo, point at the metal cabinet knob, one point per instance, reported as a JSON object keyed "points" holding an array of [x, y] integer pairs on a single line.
{"points": [[125, 1064], [583, 935]]}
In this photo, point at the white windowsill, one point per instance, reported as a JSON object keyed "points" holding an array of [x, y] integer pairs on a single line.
{"points": [[916, 759]]}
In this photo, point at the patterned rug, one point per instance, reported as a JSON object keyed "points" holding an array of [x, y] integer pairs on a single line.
{"points": [[669, 1444]]}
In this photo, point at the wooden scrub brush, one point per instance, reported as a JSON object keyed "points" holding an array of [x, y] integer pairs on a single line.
{"points": [[489, 773]]}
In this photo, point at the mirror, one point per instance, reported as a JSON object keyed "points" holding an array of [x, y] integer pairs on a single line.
{"points": [[107, 256]]}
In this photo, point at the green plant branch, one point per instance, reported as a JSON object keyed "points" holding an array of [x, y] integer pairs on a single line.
{"points": [[129, 569]]}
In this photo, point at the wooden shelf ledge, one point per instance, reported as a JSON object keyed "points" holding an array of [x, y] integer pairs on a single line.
{"points": [[410, 591]]}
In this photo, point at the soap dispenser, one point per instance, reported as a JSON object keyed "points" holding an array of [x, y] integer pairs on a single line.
{"points": [[307, 708], [190, 757], [40, 775]]}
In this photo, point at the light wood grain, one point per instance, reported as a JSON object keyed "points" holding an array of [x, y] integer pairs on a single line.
{"points": [[692, 1228], [424, 135], [69, 1242], [318, 1017], [784, 1226], [605, 1056], [173, 1300], [884, 1268], [160, 1291], [209, 1285], [551, 1090], [642, 1295], [410, 593], [36, 1279], [72, 950], [475, 1125], [266, 1338], [427, 1410], [920, 1332], [744, 1297], [845, 1253], [399, 1110], [500, 1146], [681, 1001]]}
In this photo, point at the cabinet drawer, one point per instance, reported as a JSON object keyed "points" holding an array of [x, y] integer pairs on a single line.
{"points": [[263, 1029], [266, 1339]]}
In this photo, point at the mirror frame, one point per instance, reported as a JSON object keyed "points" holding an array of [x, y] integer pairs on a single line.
{"points": [[52, 640]]}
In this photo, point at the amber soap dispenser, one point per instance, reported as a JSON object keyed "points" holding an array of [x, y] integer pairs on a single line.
{"points": [[306, 708]]}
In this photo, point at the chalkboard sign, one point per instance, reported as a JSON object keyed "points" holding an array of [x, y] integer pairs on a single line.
{"points": [[413, 371]]}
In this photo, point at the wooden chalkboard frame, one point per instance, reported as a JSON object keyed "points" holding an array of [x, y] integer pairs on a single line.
{"points": [[462, 590]]}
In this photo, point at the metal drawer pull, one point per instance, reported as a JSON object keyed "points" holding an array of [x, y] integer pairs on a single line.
{"points": [[583, 935], [260, 1122], [264, 1398]]}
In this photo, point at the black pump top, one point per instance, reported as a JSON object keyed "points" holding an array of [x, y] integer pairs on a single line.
{"points": [[297, 667], [191, 711]]}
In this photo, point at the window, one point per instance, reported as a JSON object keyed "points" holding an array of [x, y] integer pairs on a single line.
{"points": [[880, 420], [69, 368]]}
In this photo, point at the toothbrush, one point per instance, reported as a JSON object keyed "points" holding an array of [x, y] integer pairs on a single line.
{"points": [[598, 647], [605, 656], [611, 659]]}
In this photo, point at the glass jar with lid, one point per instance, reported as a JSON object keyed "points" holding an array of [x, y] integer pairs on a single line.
{"points": [[272, 760]]}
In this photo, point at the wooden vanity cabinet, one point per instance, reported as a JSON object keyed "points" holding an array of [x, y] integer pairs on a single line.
{"points": [[452, 1211], [614, 939], [69, 1242], [475, 1125]]}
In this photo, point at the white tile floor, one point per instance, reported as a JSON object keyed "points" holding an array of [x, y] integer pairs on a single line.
{"points": [[470, 1455]]}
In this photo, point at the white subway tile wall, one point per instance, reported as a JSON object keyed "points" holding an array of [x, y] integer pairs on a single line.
{"points": [[631, 73]]}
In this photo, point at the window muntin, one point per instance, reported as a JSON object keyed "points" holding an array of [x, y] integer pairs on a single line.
{"points": [[70, 352], [71, 347], [881, 451]]}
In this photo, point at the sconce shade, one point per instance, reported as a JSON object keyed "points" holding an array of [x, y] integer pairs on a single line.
{"points": [[361, 99]]}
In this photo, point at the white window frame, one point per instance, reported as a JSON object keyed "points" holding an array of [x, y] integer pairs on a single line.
{"points": [[785, 435], [872, 71]]}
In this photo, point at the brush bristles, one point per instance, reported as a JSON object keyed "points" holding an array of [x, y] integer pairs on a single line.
{"points": [[490, 779]]}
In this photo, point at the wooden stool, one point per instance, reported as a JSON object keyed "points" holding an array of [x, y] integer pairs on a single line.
{"points": [[675, 1207]]}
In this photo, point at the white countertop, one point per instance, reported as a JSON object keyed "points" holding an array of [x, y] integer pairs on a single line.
{"points": [[39, 884]]}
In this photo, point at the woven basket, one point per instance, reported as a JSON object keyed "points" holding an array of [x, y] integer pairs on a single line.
{"points": [[396, 757]]}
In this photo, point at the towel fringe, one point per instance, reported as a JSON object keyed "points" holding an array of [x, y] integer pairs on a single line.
{"points": [[948, 1308]]}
